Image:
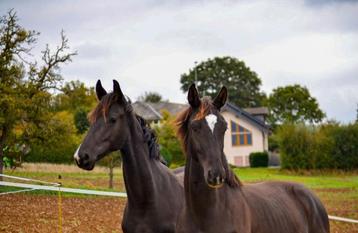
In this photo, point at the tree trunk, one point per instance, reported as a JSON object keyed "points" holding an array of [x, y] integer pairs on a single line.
{"points": [[111, 166], [1, 162], [2, 145], [111, 176]]}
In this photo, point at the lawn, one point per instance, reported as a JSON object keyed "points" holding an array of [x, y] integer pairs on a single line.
{"points": [[338, 190]]}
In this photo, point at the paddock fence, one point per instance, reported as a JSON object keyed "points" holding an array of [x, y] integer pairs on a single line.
{"points": [[56, 187]]}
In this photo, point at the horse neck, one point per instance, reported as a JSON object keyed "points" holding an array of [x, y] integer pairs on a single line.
{"points": [[138, 167]]}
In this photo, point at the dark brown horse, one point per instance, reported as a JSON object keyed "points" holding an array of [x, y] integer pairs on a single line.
{"points": [[155, 196], [216, 201]]}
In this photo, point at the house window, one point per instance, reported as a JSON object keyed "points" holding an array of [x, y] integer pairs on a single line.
{"points": [[240, 136]]}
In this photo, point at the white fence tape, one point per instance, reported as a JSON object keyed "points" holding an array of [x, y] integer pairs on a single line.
{"points": [[30, 187], [66, 190], [335, 218]]}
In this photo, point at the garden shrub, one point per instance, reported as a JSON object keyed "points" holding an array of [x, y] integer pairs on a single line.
{"points": [[167, 138], [329, 146], [165, 153], [345, 151], [58, 141], [258, 159], [294, 146]]}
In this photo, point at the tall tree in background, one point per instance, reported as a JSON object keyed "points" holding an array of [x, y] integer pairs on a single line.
{"points": [[170, 147], [292, 104], [242, 83], [79, 100], [74, 96], [151, 96], [24, 85]]}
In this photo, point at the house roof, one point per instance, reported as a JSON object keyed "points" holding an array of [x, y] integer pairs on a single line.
{"points": [[257, 111], [172, 108], [152, 111], [239, 112]]}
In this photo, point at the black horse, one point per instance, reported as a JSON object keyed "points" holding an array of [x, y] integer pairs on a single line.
{"points": [[155, 197], [216, 201]]}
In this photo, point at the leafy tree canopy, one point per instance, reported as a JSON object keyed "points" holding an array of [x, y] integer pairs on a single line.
{"points": [[292, 104], [25, 85], [151, 96], [168, 141], [242, 83], [75, 96]]}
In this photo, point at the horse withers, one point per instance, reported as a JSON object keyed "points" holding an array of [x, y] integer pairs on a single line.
{"points": [[215, 199], [155, 196]]}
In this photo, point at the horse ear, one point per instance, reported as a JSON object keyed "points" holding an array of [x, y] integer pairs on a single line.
{"points": [[221, 98], [117, 89], [100, 91], [193, 97]]}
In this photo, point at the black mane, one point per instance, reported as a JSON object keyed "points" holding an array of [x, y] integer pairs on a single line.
{"points": [[151, 140]]}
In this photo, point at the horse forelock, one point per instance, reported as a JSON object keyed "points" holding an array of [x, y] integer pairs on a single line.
{"points": [[104, 106], [182, 121]]}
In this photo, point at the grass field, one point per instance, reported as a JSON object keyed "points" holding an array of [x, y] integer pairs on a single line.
{"points": [[338, 190]]}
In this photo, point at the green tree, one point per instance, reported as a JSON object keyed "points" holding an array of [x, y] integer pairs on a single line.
{"points": [[242, 83], [292, 104], [81, 121], [151, 96], [55, 141], [168, 141], [24, 85], [75, 96]]}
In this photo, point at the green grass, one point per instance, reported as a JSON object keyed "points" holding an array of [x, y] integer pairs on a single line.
{"points": [[315, 180], [99, 180]]}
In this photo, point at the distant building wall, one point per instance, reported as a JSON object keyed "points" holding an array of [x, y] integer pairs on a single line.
{"points": [[239, 154]]}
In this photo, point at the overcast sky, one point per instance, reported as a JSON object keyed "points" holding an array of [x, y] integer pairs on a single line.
{"points": [[146, 45]]}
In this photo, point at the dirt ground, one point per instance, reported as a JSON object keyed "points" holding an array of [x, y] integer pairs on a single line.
{"points": [[39, 213]]}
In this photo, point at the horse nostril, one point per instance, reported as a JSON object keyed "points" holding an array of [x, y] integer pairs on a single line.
{"points": [[85, 157]]}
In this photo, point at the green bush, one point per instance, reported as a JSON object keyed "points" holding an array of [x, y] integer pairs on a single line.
{"points": [[165, 153], [331, 146], [294, 146], [58, 141], [167, 138], [345, 151], [259, 159]]}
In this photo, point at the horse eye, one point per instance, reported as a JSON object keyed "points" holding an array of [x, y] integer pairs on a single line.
{"points": [[195, 126], [112, 120]]}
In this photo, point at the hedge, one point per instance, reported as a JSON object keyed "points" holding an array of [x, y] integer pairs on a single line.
{"points": [[259, 159], [331, 146]]}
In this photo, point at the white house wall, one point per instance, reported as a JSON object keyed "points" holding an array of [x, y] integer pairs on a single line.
{"points": [[259, 141]]}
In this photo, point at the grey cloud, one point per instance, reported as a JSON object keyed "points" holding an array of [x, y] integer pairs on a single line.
{"points": [[148, 44]]}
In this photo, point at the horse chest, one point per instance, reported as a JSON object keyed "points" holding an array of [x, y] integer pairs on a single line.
{"points": [[210, 223], [147, 227]]}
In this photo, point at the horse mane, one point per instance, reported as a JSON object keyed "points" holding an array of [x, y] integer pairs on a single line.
{"points": [[150, 138], [182, 122]]}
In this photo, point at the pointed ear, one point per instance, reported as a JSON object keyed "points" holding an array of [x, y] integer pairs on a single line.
{"points": [[193, 97], [221, 98], [100, 91], [117, 89]]}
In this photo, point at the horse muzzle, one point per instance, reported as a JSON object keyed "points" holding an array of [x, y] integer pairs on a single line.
{"points": [[215, 180]]}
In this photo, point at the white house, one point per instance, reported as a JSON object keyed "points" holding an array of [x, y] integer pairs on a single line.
{"points": [[247, 131]]}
